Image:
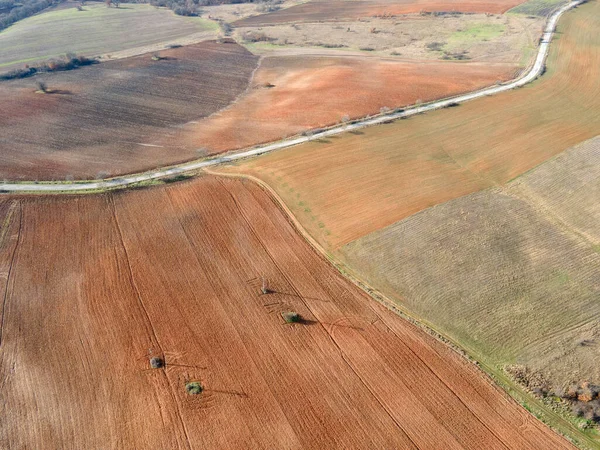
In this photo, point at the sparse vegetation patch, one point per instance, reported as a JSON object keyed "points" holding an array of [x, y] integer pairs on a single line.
{"points": [[290, 316], [194, 388]]}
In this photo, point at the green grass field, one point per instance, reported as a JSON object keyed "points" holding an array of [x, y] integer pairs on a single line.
{"points": [[478, 32], [94, 31]]}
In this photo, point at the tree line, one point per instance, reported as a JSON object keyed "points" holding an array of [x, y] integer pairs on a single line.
{"points": [[12, 11]]}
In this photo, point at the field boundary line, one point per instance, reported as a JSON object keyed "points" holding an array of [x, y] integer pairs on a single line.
{"points": [[534, 72], [497, 380]]}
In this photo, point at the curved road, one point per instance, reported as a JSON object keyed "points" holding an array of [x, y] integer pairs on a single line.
{"points": [[534, 72]]}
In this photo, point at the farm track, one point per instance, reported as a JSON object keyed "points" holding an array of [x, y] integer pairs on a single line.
{"points": [[344, 378], [536, 69]]}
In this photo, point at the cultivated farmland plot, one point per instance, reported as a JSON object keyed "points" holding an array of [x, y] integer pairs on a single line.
{"points": [[94, 31], [175, 272], [293, 94], [511, 274], [325, 10], [104, 119]]}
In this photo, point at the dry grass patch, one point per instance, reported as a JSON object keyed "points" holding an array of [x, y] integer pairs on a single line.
{"points": [[476, 37], [511, 274]]}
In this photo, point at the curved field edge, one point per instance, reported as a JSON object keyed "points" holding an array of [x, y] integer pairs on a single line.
{"points": [[95, 31], [559, 422], [586, 79], [104, 119], [175, 272]]}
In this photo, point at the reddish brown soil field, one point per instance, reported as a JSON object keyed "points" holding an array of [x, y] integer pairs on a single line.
{"points": [[309, 92], [100, 119], [94, 285], [315, 11]]}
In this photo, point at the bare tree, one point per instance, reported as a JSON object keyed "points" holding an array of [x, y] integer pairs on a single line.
{"points": [[42, 87]]}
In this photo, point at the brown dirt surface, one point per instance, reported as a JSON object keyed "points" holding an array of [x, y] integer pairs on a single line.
{"points": [[175, 272], [511, 273], [352, 185], [326, 10], [309, 92], [101, 119]]}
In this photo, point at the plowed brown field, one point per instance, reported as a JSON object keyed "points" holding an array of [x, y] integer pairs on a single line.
{"points": [[97, 284], [355, 184], [315, 11], [309, 92], [102, 119]]}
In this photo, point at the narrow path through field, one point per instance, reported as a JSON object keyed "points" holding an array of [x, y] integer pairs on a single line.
{"points": [[536, 70]]}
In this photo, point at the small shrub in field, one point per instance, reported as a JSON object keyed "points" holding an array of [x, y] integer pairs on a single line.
{"points": [[156, 362], [435, 46], [194, 388], [290, 316], [42, 87]]}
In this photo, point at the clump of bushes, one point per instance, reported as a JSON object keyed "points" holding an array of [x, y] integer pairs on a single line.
{"points": [[156, 362], [18, 10], [178, 177], [583, 398], [435, 46], [290, 316], [68, 62], [194, 388], [256, 36], [533, 380], [268, 7], [458, 56]]}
